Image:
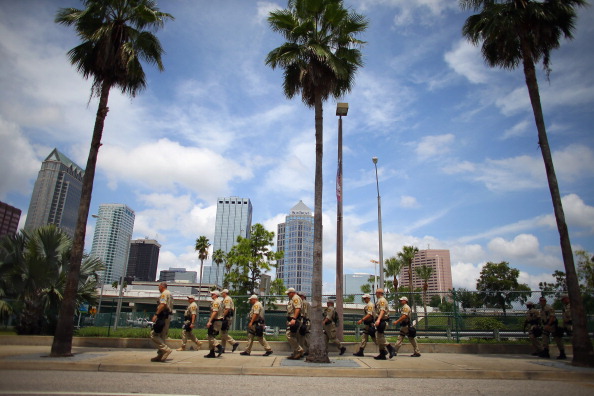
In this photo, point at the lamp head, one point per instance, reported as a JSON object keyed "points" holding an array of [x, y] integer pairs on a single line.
{"points": [[342, 109], [374, 159]]}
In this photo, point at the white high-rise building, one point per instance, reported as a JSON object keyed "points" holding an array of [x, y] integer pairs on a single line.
{"points": [[111, 242], [295, 238], [234, 218]]}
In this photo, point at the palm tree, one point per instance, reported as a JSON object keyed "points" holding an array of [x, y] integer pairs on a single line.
{"points": [[319, 59], [33, 274], [424, 273], [202, 245], [393, 268], [407, 255], [526, 31], [115, 37], [218, 257]]}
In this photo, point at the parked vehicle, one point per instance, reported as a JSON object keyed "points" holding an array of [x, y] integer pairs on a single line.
{"points": [[140, 322]]}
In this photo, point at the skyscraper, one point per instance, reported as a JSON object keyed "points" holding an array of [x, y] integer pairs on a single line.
{"points": [[56, 194], [234, 218], [143, 260], [111, 242], [441, 276], [295, 238], [9, 219]]}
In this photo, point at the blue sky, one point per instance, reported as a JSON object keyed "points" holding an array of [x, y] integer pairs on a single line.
{"points": [[459, 165]]}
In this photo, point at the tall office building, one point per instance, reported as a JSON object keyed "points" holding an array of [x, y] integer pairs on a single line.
{"points": [[177, 275], [234, 218], [143, 260], [9, 219], [111, 242], [441, 276], [56, 194], [353, 283], [295, 239]]}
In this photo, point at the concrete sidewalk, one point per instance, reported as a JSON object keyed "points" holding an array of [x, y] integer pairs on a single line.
{"points": [[429, 365]]}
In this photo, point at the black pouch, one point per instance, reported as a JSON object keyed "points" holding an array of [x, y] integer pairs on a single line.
{"points": [[295, 327], [187, 327], [159, 325], [537, 331], [412, 331], [382, 326], [303, 328], [225, 325], [371, 331], [212, 332], [259, 330]]}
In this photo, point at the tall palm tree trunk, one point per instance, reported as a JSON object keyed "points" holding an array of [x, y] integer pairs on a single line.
{"points": [[62, 343], [583, 353], [318, 352], [425, 287]]}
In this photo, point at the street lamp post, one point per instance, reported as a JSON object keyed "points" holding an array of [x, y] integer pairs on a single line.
{"points": [[379, 227], [341, 110]]}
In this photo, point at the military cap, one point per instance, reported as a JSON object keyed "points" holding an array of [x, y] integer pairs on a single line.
{"points": [[225, 291], [403, 298], [291, 290], [215, 292], [365, 296], [191, 297]]}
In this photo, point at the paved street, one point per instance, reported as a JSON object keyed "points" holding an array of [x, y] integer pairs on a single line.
{"points": [[23, 382]]}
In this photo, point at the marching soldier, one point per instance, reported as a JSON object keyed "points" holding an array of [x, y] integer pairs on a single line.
{"points": [[214, 324], [294, 307], [367, 320], [534, 325], [549, 321], [229, 311], [161, 322], [405, 330], [189, 323], [255, 327], [329, 323], [382, 314], [304, 329], [558, 335]]}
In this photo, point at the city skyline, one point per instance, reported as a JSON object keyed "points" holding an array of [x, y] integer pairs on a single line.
{"points": [[458, 161]]}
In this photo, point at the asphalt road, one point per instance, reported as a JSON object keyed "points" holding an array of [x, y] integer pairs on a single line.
{"points": [[101, 383]]}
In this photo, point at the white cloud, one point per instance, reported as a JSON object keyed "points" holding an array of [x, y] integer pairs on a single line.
{"points": [[518, 129], [465, 275], [523, 245], [465, 59], [434, 146], [406, 201], [168, 166], [577, 214], [18, 161]]}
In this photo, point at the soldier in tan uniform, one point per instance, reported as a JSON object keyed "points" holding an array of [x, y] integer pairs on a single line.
{"points": [[229, 311], [558, 335], [159, 336], [304, 329], [189, 324], [549, 325], [405, 323], [294, 307], [533, 324], [255, 327], [329, 324], [382, 314], [367, 320], [214, 324]]}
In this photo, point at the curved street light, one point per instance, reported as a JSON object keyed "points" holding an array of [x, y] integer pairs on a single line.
{"points": [[379, 227]]}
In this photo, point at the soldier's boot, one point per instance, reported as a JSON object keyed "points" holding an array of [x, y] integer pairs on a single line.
{"points": [[220, 350], [545, 354], [156, 358], [245, 353], [562, 355], [182, 348], [359, 352], [198, 345], [381, 356], [234, 347], [391, 350], [268, 353], [211, 354], [342, 350]]}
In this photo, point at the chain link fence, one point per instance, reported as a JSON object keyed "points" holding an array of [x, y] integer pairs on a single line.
{"points": [[451, 316]]}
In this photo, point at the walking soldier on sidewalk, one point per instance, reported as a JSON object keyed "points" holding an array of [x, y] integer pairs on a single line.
{"points": [[329, 323], [406, 329], [229, 311], [214, 324], [161, 322], [304, 329], [294, 307], [255, 327], [382, 314], [367, 320], [533, 324], [189, 324], [549, 325]]}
